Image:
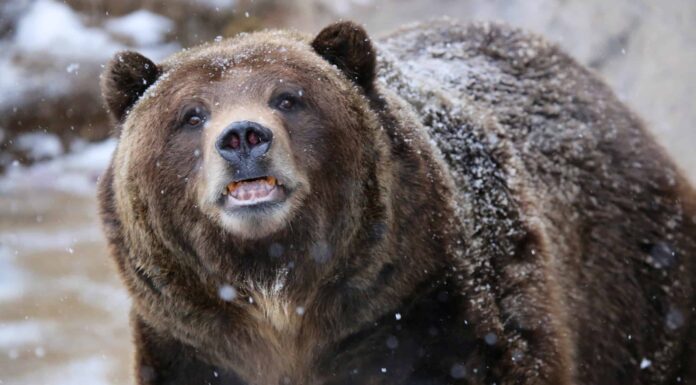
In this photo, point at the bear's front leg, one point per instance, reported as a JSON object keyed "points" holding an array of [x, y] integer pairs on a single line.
{"points": [[162, 360]]}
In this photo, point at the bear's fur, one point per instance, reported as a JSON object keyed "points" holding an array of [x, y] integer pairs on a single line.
{"points": [[465, 205]]}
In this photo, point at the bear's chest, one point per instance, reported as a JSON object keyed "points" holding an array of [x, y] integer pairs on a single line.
{"points": [[266, 344], [271, 308]]}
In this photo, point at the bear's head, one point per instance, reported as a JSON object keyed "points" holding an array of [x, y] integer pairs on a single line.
{"points": [[252, 135]]}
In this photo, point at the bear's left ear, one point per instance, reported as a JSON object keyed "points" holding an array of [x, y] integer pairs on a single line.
{"points": [[124, 80], [347, 46]]}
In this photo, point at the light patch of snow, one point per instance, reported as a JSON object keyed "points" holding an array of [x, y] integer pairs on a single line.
{"points": [[51, 38], [48, 29], [34, 241], [75, 173], [39, 145], [53, 28], [12, 279], [143, 27], [39, 351], [72, 68], [20, 333], [343, 7], [112, 299], [216, 3], [18, 82], [91, 370]]}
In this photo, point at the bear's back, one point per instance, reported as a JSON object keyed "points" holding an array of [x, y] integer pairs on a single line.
{"points": [[530, 136]]}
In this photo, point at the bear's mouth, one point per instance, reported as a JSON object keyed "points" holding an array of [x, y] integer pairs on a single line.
{"points": [[249, 192]]}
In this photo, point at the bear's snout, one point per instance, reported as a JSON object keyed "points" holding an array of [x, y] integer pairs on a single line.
{"points": [[243, 141]]}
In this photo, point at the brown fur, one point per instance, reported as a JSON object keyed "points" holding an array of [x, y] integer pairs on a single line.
{"points": [[127, 77], [458, 233]]}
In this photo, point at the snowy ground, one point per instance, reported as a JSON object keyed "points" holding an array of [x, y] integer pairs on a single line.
{"points": [[63, 313]]}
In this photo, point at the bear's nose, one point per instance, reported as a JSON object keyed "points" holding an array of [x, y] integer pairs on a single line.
{"points": [[244, 139]]}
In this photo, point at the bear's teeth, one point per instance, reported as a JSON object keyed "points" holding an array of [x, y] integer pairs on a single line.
{"points": [[253, 190], [266, 184]]}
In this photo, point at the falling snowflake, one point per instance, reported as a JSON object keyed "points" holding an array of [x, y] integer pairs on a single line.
{"points": [[645, 363], [227, 293]]}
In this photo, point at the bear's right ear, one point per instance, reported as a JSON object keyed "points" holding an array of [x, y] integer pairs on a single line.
{"points": [[347, 46], [125, 79]]}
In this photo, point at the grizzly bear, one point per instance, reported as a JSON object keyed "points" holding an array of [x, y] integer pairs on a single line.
{"points": [[453, 204]]}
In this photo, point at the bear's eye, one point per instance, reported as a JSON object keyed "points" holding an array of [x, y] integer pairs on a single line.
{"points": [[286, 102], [194, 118]]}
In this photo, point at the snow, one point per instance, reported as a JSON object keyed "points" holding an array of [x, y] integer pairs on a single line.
{"points": [[491, 338], [12, 279], [36, 241], [18, 82], [75, 173], [343, 7], [72, 68], [227, 293], [132, 27], [42, 339], [92, 371], [52, 39], [645, 363], [216, 3], [39, 351], [53, 28], [96, 294], [39, 145]]}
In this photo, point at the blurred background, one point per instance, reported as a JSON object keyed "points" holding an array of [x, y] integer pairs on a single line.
{"points": [[63, 312]]}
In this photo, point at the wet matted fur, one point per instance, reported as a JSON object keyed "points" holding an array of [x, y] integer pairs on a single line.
{"points": [[476, 208]]}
